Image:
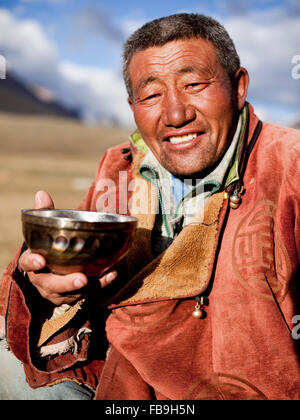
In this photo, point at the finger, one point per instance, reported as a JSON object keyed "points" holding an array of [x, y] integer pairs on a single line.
{"points": [[43, 200], [54, 284], [29, 261], [108, 278]]}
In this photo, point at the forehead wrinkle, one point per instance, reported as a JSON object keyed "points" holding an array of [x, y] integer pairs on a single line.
{"points": [[162, 60]]}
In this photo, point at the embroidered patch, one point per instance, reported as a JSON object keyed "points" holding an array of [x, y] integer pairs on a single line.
{"points": [[259, 257], [222, 386]]}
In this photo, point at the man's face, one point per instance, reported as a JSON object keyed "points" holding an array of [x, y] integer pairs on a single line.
{"points": [[183, 105]]}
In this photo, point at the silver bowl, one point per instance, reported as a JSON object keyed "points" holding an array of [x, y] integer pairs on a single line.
{"points": [[75, 240]]}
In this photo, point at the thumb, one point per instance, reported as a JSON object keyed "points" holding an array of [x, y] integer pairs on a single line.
{"points": [[43, 200]]}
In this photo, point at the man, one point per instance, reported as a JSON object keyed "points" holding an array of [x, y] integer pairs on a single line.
{"points": [[203, 306]]}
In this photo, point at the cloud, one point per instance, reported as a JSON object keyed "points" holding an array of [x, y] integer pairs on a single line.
{"points": [[245, 7], [98, 93], [130, 25], [26, 47], [293, 7], [233, 7], [266, 41], [91, 20]]}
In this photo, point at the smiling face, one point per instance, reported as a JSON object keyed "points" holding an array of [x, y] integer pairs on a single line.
{"points": [[184, 105]]}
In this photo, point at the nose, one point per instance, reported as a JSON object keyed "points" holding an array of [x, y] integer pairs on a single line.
{"points": [[176, 112]]}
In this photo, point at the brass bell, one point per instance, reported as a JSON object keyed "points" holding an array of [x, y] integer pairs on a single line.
{"points": [[234, 201], [197, 312], [234, 205], [234, 198]]}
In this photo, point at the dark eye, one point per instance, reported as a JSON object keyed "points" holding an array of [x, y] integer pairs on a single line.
{"points": [[195, 84], [150, 98], [196, 87], [154, 95]]}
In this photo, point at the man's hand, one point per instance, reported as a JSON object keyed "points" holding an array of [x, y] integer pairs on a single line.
{"points": [[58, 289]]}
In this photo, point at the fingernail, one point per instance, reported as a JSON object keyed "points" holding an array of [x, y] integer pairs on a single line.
{"points": [[38, 201], [111, 277], [79, 283]]}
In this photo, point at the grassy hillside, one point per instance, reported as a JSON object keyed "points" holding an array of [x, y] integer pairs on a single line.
{"points": [[54, 154]]}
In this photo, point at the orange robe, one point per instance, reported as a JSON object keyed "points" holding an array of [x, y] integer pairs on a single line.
{"points": [[245, 262]]}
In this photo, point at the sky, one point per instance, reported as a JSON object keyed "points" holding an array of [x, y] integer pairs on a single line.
{"points": [[74, 49]]}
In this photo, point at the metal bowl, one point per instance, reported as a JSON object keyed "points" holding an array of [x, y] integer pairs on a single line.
{"points": [[75, 240]]}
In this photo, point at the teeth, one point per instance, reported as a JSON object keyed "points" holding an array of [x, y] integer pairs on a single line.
{"points": [[182, 139]]}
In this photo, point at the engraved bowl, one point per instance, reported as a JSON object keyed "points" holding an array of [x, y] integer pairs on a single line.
{"points": [[76, 240]]}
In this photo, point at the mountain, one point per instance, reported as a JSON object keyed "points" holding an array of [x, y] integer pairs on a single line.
{"points": [[18, 98], [297, 125]]}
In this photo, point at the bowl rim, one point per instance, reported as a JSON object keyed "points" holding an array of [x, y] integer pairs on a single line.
{"points": [[39, 217]]}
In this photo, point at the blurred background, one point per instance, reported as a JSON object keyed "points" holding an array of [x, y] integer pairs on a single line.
{"points": [[62, 99]]}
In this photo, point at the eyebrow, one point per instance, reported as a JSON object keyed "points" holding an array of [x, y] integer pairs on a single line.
{"points": [[152, 78], [188, 69], [143, 83]]}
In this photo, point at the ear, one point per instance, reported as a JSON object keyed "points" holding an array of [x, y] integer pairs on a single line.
{"points": [[241, 85]]}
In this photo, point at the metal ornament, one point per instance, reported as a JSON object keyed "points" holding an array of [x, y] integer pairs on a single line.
{"points": [[198, 310], [235, 199]]}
